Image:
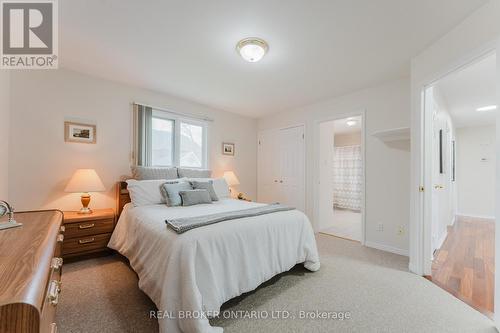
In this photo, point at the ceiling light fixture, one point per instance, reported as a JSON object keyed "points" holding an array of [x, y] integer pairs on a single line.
{"points": [[252, 49], [351, 122], [487, 108]]}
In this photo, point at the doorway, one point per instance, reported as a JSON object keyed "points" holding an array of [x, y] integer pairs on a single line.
{"points": [[341, 178], [461, 109]]}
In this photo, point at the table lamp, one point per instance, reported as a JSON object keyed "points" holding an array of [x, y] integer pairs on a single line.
{"points": [[85, 181]]}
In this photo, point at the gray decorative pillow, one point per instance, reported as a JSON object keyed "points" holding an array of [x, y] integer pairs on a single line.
{"points": [[193, 173], [163, 191], [145, 173], [195, 197], [209, 186], [172, 191]]}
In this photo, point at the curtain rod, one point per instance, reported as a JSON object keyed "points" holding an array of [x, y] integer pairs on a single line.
{"points": [[184, 114]]}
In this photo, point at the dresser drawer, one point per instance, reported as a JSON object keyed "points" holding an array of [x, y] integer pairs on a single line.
{"points": [[52, 292], [86, 243], [85, 228]]}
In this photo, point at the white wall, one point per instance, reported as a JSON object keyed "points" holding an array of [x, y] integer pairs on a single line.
{"points": [[4, 132], [41, 162], [475, 177], [473, 36], [388, 166]]}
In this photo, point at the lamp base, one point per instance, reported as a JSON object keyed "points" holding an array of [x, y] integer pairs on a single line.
{"points": [[85, 203], [85, 210]]}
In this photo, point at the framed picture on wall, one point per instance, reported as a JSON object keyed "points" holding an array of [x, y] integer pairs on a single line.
{"points": [[77, 132], [228, 148]]}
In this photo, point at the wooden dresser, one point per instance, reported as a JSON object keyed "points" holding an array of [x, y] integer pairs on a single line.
{"points": [[30, 272], [87, 233]]}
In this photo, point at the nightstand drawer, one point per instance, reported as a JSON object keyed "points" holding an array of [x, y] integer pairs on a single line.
{"points": [[85, 228], [87, 243]]}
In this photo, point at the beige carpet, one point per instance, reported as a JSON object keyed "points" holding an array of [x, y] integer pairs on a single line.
{"points": [[101, 295]]}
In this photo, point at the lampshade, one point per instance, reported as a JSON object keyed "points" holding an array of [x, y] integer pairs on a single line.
{"points": [[231, 178], [85, 180]]}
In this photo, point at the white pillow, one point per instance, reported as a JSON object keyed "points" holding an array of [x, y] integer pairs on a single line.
{"points": [[220, 186], [146, 192]]}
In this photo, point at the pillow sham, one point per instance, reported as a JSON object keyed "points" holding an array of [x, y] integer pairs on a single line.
{"points": [[172, 191], [145, 173], [193, 173], [195, 197], [208, 185], [145, 192]]}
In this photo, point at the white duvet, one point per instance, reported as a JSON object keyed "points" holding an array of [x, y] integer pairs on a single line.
{"points": [[197, 271]]}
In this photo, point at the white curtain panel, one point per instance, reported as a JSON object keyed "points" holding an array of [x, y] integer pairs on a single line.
{"points": [[347, 178]]}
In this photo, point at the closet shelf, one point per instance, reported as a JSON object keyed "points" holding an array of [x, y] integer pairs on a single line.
{"points": [[394, 134]]}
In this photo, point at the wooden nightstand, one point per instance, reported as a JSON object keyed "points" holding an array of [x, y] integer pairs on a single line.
{"points": [[87, 233]]}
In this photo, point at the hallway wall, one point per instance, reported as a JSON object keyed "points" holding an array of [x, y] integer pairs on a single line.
{"points": [[476, 162]]}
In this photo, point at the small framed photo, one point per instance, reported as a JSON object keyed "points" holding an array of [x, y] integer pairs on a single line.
{"points": [[82, 133], [228, 149]]}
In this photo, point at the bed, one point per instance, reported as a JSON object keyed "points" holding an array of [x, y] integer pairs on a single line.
{"points": [[192, 274]]}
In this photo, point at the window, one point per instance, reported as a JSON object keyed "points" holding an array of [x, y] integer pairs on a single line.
{"points": [[162, 142], [167, 139], [191, 145]]}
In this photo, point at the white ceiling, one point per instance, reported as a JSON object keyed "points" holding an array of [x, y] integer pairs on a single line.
{"points": [[318, 49], [471, 88], [341, 127]]}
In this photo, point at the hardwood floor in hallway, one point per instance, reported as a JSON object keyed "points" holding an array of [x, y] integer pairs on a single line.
{"points": [[465, 264]]}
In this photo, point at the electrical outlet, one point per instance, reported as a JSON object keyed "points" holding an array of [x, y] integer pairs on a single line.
{"points": [[380, 227], [401, 230]]}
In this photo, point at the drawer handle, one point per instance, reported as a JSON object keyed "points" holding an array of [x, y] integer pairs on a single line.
{"points": [[62, 229], [56, 263], [60, 238], [86, 241], [53, 293], [86, 226]]}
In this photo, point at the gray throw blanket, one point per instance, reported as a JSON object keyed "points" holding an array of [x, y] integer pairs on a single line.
{"points": [[187, 223]]}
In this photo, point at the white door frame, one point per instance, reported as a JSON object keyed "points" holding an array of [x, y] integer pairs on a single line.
{"points": [[316, 187], [421, 173]]}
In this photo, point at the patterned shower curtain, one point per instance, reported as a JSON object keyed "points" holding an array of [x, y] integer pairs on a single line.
{"points": [[347, 178]]}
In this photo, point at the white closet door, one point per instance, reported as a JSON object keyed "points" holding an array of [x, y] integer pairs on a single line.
{"points": [[281, 167], [268, 167], [292, 167]]}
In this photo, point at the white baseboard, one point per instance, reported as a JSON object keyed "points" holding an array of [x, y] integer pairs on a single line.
{"points": [[476, 216], [442, 239], [444, 235], [386, 248], [453, 220], [413, 268]]}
